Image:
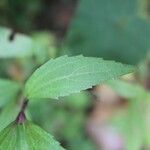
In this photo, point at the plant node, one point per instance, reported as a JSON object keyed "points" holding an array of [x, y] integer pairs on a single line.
{"points": [[21, 116]]}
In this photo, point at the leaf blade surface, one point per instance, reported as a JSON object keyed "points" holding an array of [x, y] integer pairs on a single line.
{"points": [[66, 75]]}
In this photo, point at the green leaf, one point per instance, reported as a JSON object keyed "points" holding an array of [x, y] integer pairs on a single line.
{"points": [[17, 46], [8, 114], [134, 124], [45, 46], [66, 75], [117, 30], [134, 133], [8, 91], [79, 101], [146, 112], [26, 136], [131, 125], [128, 90]]}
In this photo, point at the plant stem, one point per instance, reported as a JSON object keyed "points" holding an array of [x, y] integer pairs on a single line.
{"points": [[21, 116]]}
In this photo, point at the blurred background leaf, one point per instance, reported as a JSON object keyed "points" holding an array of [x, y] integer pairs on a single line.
{"points": [[129, 90], [69, 114], [14, 45], [8, 91], [130, 123], [44, 46], [115, 30]]}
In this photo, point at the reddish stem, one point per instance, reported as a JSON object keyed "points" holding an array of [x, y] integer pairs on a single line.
{"points": [[21, 116]]}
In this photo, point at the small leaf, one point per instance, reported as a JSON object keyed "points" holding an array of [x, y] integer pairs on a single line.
{"points": [[8, 91], [26, 136], [14, 45], [66, 75]]}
